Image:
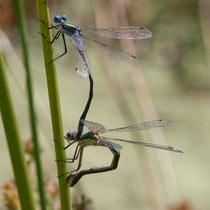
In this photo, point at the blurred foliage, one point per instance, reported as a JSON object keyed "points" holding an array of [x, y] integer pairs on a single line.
{"points": [[10, 196], [7, 18], [178, 41], [185, 205]]}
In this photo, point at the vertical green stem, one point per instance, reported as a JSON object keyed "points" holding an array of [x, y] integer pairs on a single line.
{"points": [[14, 143], [54, 100], [23, 31]]}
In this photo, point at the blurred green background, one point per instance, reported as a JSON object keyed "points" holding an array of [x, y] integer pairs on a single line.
{"points": [[173, 83]]}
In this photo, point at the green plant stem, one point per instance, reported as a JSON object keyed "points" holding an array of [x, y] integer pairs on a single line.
{"points": [[23, 32], [14, 143], [54, 101]]}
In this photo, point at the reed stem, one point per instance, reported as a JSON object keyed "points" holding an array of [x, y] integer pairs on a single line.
{"points": [[54, 101], [33, 121], [14, 142]]}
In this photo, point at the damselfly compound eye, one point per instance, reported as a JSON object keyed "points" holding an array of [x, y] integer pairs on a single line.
{"points": [[71, 135], [57, 19], [64, 17]]}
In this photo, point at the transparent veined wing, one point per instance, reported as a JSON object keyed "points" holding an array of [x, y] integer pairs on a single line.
{"points": [[92, 126], [82, 64], [131, 32], [110, 144], [157, 146], [126, 57], [76, 39], [141, 126]]}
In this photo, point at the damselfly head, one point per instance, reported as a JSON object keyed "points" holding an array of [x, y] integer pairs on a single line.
{"points": [[60, 18], [71, 135]]}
